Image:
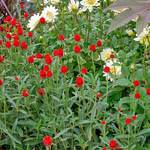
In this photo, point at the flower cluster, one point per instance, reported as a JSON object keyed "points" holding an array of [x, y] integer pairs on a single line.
{"points": [[112, 67]]}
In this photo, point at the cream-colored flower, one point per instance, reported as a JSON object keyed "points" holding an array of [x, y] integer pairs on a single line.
{"points": [[115, 69], [144, 37], [73, 6], [49, 13], [118, 11], [105, 55], [89, 4], [130, 32], [33, 22]]}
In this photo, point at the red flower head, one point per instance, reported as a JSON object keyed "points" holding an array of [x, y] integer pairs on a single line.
{"points": [[30, 34], [7, 19], [47, 140], [8, 44], [13, 22], [46, 68], [49, 74], [19, 30], [42, 20], [1, 28], [99, 43], [136, 83], [58, 52], [77, 37], [127, 121], [79, 81], [98, 95], [112, 144], [22, 5], [1, 58], [15, 37], [17, 78], [137, 95], [64, 69], [1, 82], [39, 55], [25, 93], [30, 59], [8, 36], [134, 117], [84, 70], [41, 91], [42, 74], [148, 91], [1, 42], [104, 148], [16, 43], [24, 45], [48, 59], [103, 122], [77, 49], [106, 69], [61, 37], [25, 15], [92, 47]]}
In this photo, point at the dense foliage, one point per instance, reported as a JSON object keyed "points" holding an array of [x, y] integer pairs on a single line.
{"points": [[65, 84]]}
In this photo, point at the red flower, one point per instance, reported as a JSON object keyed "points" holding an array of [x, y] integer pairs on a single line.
{"points": [[103, 122], [79, 81], [148, 91], [136, 83], [1, 42], [137, 95], [49, 74], [1, 58], [77, 49], [127, 121], [46, 68], [25, 93], [64, 69], [13, 22], [15, 36], [8, 44], [104, 148], [30, 59], [7, 19], [17, 78], [19, 30], [1, 28], [98, 95], [58, 52], [112, 144], [16, 43], [1, 82], [8, 36], [47, 140], [48, 59], [30, 34], [61, 37], [134, 117], [41, 91], [42, 20], [99, 43], [25, 15], [42, 74], [22, 5], [77, 37], [112, 56], [24, 45], [39, 55], [84, 70], [92, 47], [106, 69]]}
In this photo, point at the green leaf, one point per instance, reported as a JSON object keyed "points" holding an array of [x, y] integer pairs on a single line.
{"points": [[123, 82]]}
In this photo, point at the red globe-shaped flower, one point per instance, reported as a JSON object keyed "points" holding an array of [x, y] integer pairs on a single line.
{"points": [[47, 140], [79, 81]]}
